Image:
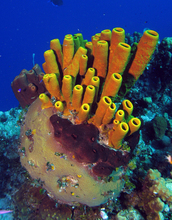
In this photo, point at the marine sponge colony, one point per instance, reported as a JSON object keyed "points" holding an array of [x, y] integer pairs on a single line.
{"points": [[72, 138], [85, 79]]}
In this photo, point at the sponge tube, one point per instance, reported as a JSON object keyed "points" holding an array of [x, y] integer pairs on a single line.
{"points": [[145, 49]]}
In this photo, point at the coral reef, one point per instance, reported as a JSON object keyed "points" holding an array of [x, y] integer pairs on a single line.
{"points": [[12, 174], [159, 126], [32, 201], [129, 214], [72, 136], [54, 125], [154, 197]]}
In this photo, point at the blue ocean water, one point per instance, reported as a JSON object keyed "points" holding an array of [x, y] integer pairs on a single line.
{"points": [[28, 26]]}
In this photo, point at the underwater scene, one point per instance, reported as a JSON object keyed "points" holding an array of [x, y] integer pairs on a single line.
{"points": [[86, 110]]}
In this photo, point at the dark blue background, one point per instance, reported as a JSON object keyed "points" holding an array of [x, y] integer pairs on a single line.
{"points": [[27, 26]]}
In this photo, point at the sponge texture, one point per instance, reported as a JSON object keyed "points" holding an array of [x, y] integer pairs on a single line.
{"points": [[68, 159]]}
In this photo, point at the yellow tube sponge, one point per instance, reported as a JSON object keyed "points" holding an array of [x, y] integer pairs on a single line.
{"points": [[51, 63], [101, 56], [83, 64], [119, 59], [46, 102], [113, 85], [134, 125], [73, 68], [76, 43], [77, 97], [119, 115], [52, 85], [94, 39], [68, 50], [67, 88], [95, 81], [115, 123], [44, 66], [89, 95], [117, 135], [56, 46], [145, 49], [110, 111], [46, 81], [89, 45], [81, 40], [103, 104], [88, 76], [118, 35], [127, 106], [106, 35], [83, 112], [59, 106]]}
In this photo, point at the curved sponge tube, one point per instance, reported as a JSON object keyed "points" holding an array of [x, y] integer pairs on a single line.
{"points": [[145, 49], [118, 134]]}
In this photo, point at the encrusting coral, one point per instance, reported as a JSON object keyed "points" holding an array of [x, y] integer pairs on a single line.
{"points": [[154, 197], [73, 134]]}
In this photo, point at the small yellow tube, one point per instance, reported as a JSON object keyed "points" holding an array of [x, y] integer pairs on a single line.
{"points": [[83, 65], [44, 66], [46, 102], [83, 112], [145, 49], [106, 35], [81, 40], [52, 85], [76, 43], [119, 115], [113, 85], [67, 88], [89, 95], [51, 63], [103, 104], [56, 46], [98, 35], [95, 39], [115, 123], [46, 82], [88, 76], [127, 106], [134, 125], [89, 45], [77, 97], [54, 88], [101, 58], [118, 35], [68, 50], [117, 135], [110, 111], [59, 106], [95, 81]]}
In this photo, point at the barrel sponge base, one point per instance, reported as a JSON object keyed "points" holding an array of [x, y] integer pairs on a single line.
{"points": [[66, 174]]}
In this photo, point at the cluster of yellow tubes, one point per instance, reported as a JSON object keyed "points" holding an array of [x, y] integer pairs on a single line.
{"points": [[110, 55]]}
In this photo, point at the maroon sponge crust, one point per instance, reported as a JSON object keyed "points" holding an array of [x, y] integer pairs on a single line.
{"points": [[82, 141], [28, 85]]}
